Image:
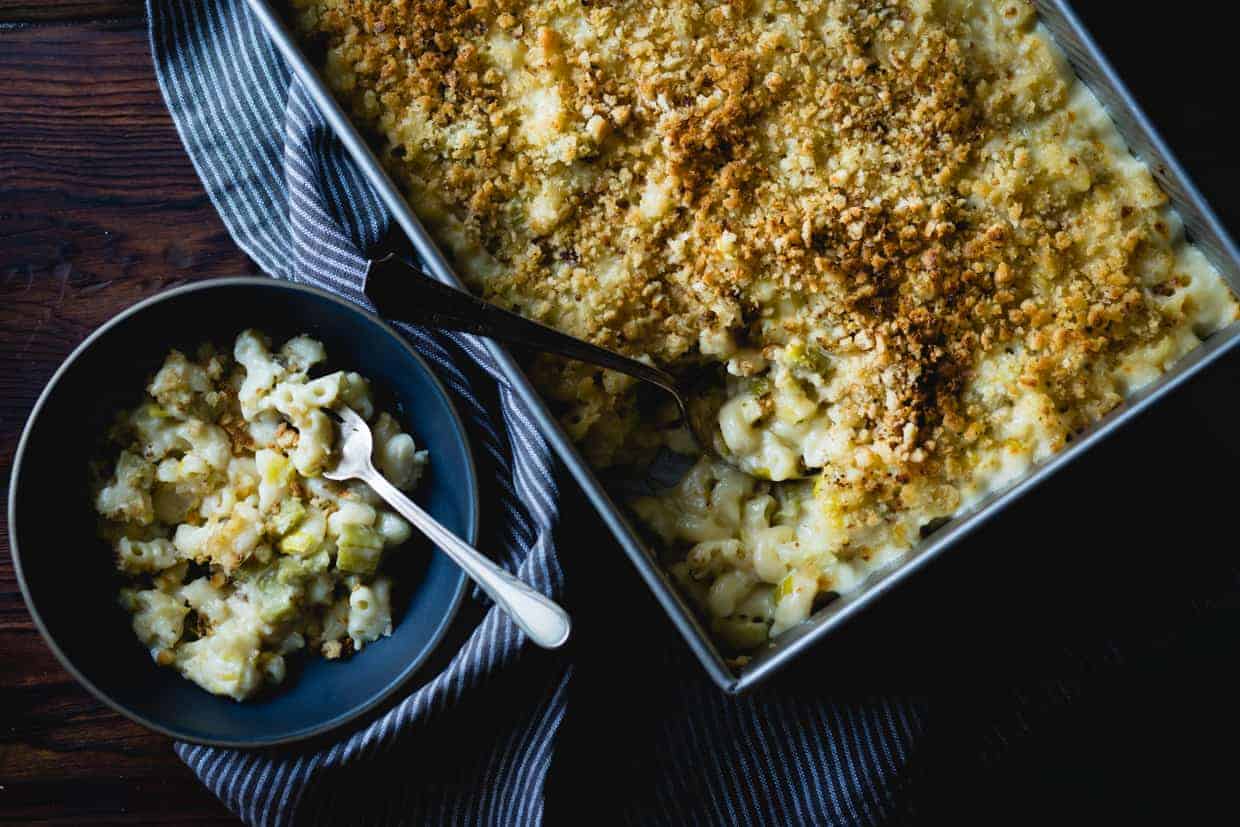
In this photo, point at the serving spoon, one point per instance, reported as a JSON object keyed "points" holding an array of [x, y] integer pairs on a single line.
{"points": [[401, 291], [542, 620]]}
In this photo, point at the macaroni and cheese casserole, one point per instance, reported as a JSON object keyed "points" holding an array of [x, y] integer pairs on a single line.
{"points": [[911, 236], [237, 551]]}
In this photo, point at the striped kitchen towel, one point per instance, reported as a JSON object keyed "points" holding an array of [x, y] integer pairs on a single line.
{"points": [[292, 200], [474, 743]]}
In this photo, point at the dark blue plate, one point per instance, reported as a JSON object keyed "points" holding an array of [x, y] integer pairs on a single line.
{"points": [[66, 573]]}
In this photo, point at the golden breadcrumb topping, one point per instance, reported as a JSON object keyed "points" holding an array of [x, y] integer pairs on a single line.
{"points": [[914, 238], [919, 178]]}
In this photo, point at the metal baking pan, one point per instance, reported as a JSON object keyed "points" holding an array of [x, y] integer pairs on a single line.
{"points": [[1202, 226]]}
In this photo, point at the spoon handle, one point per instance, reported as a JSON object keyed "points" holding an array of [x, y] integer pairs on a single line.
{"points": [[400, 291], [537, 615]]}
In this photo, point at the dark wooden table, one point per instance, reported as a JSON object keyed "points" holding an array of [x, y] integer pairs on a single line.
{"points": [[99, 207]]}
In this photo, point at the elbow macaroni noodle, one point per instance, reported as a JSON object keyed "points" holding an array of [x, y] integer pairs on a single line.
{"points": [[912, 236], [236, 550]]}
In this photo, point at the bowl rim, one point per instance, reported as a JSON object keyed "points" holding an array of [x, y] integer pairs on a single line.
{"points": [[472, 520]]}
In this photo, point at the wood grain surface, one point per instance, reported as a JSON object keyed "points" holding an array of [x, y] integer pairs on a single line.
{"points": [[42, 11], [100, 207]]}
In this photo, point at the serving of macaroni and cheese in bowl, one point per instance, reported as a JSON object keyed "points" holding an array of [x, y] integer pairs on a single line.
{"points": [[912, 238], [197, 570], [238, 552]]}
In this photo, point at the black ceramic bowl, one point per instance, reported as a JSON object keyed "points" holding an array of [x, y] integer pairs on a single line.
{"points": [[66, 573]]}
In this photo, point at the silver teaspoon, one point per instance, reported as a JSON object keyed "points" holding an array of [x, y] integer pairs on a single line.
{"points": [[537, 615]]}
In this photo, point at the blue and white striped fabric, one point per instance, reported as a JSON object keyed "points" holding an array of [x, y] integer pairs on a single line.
{"points": [[293, 201]]}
